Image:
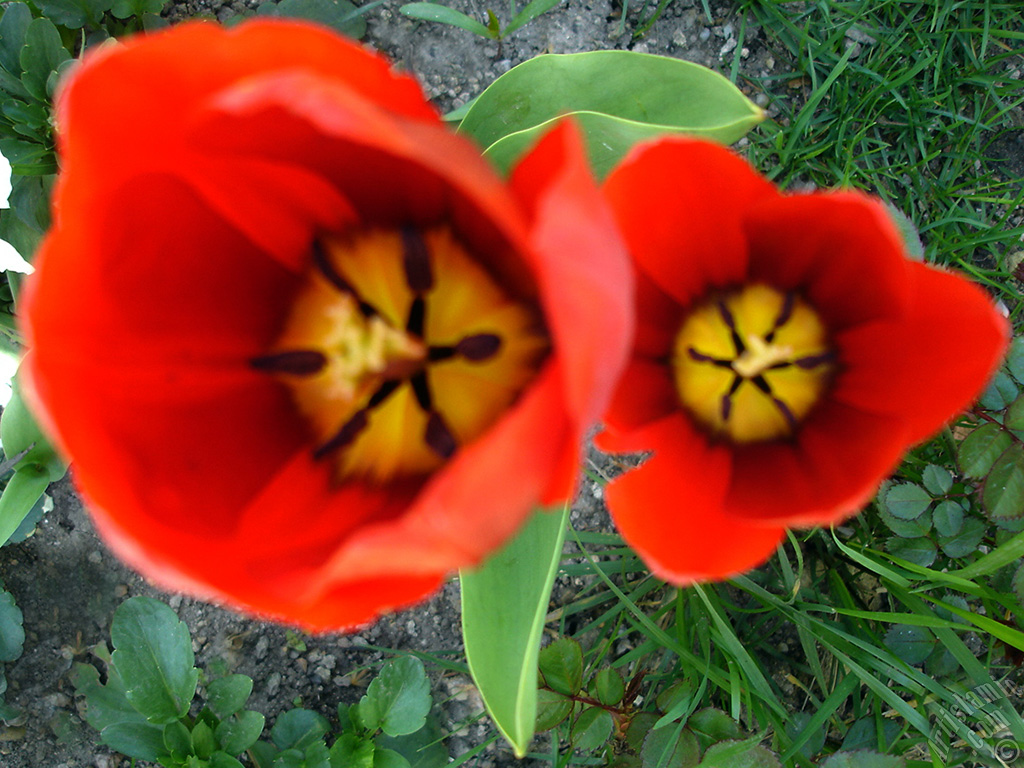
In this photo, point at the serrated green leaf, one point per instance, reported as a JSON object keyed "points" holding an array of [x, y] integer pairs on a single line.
{"points": [[444, 15], [400, 696], [910, 644], [298, 729], [711, 725], [43, 53], [948, 518], [12, 630], [907, 529], [608, 687], [1003, 493], [552, 708], [74, 14], [919, 551], [227, 695], [1002, 391], [617, 97], [670, 747], [126, 9], [153, 657], [980, 449], [240, 731], [502, 645], [591, 729], [966, 539], [561, 665], [739, 754], [937, 480], [863, 759], [104, 704], [907, 501]]}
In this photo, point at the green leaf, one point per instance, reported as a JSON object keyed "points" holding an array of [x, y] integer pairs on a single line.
{"points": [[105, 705], [617, 97], [223, 760], [154, 659], [126, 9], [262, 754], [552, 708], [423, 749], [203, 744], [911, 644], [23, 490], [19, 432], [227, 695], [1014, 418], [12, 630], [502, 626], [399, 698], [42, 55], [591, 729], [74, 14], [388, 758], [907, 501], [1015, 359], [532, 10], [141, 740], [937, 480], [966, 539], [351, 751], [1018, 584], [948, 518], [797, 726], [445, 15], [1002, 391], [608, 687], [670, 747], [863, 759], [13, 28], [1003, 494], [907, 529], [240, 731], [177, 740], [980, 449], [561, 664], [739, 754], [919, 551], [298, 729], [711, 725]]}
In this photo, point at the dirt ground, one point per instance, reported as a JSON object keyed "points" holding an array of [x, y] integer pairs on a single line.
{"points": [[68, 584]]}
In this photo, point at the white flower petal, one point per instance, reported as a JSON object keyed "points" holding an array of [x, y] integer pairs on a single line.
{"points": [[11, 260], [5, 182]]}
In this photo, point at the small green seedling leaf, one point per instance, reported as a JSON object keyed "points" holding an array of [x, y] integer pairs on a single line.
{"points": [[143, 741], [670, 747], [445, 15], [298, 729], [42, 55], [591, 729], [177, 741], [712, 725], [937, 480], [1000, 393], [532, 10], [227, 695], [907, 501], [126, 9], [203, 744], [552, 708], [12, 630], [239, 732], [617, 97], [965, 541], [907, 529], [388, 758], [74, 14], [423, 749], [221, 759], [399, 697], [948, 518], [919, 551], [13, 28], [911, 645], [561, 664], [153, 656], [352, 751], [502, 645], [1003, 494], [608, 687], [980, 449]]}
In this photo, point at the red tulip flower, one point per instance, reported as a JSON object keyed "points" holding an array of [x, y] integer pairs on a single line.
{"points": [[307, 352], [787, 354]]}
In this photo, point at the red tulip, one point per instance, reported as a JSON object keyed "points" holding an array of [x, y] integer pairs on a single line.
{"points": [[787, 354], [307, 352]]}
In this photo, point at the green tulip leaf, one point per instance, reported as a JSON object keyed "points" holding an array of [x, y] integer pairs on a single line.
{"points": [[445, 15], [617, 97], [504, 603]]}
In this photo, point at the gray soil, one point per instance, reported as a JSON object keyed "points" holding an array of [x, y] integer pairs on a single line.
{"points": [[68, 584]]}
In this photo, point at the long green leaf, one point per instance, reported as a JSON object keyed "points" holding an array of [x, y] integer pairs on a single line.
{"points": [[619, 97], [445, 15], [504, 603]]}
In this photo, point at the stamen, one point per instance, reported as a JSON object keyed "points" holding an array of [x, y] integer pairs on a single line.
{"points": [[813, 361], [784, 314], [786, 413], [421, 389], [762, 384], [348, 433], [479, 347], [438, 437], [299, 362], [383, 393], [437, 354], [700, 357], [416, 261], [323, 263], [726, 406], [417, 317]]}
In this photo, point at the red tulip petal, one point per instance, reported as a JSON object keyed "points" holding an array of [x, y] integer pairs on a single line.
{"points": [[658, 319], [929, 365], [841, 456], [841, 250], [583, 270], [679, 204], [478, 500], [645, 393], [670, 509]]}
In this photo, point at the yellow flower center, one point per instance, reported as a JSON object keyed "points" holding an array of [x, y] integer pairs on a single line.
{"points": [[399, 348], [750, 364]]}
